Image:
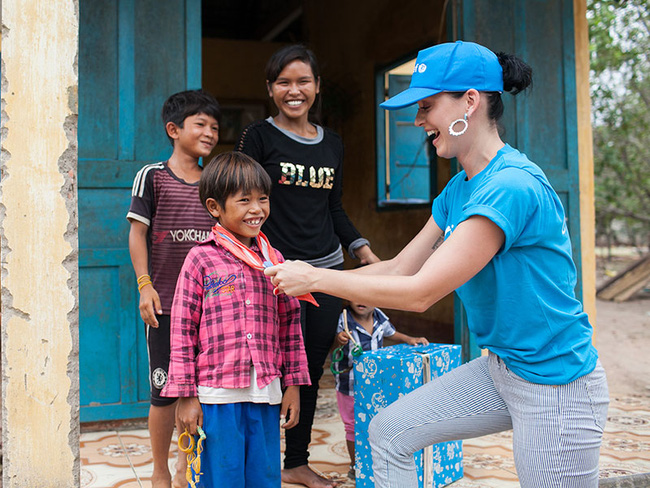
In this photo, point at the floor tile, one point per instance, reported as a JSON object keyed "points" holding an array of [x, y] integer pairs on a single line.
{"points": [[122, 459]]}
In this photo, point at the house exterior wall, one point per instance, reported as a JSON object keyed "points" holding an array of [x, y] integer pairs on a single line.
{"points": [[38, 219], [38, 211], [351, 45]]}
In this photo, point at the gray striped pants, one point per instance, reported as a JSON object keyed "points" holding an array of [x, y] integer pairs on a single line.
{"points": [[557, 430]]}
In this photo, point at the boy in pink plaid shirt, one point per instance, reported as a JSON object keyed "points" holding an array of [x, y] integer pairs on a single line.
{"points": [[237, 355]]}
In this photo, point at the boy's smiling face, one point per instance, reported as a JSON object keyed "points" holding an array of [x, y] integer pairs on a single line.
{"points": [[197, 137], [242, 215]]}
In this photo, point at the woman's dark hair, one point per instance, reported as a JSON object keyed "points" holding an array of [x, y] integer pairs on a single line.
{"points": [[517, 76], [282, 57], [295, 52], [229, 173]]}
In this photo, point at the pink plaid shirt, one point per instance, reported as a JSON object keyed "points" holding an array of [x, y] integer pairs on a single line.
{"points": [[225, 317]]}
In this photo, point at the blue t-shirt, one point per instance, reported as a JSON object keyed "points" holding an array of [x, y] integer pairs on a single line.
{"points": [[381, 328], [522, 305]]}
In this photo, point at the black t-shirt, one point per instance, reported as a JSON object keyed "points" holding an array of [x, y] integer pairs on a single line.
{"points": [[307, 219]]}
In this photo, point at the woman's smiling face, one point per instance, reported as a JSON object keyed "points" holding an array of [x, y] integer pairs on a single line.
{"points": [[294, 90], [435, 114]]}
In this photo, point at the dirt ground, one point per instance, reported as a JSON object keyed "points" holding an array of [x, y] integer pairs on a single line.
{"points": [[623, 334], [623, 343]]}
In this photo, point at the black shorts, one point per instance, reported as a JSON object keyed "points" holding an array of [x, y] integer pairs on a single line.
{"points": [[158, 349]]}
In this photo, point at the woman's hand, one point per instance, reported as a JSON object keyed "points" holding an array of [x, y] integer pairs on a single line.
{"points": [[365, 255], [292, 277]]}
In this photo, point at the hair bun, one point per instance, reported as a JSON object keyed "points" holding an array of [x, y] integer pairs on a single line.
{"points": [[517, 75]]}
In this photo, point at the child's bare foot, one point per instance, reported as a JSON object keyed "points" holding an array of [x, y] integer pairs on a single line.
{"points": [[304, 475], [179, 480], [161, 481], [180, 477]]}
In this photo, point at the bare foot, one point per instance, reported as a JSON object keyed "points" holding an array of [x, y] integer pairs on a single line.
{"points": [[179, 480], [304, 475], [180, 477], [161, 481]]}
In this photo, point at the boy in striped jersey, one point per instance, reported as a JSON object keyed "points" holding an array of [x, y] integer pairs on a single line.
{"points": [[167, 220]]}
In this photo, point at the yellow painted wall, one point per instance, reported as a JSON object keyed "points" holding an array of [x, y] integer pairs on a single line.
{"points": [[39, 300]]}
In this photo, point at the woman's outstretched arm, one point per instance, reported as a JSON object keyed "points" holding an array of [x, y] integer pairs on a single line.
{"points": [[471, 246], [411, 258]]}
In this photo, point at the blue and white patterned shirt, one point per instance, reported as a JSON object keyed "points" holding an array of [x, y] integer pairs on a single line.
{"points": [[381, 328]]}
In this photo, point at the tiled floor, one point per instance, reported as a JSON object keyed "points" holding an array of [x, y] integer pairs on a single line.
{"points": [[122, 458]]}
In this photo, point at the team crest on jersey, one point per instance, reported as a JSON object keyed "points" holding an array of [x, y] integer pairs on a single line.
{"points": [[159, 378]]}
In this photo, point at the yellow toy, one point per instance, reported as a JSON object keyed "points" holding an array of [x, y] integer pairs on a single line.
{"points": [[193, 455]]}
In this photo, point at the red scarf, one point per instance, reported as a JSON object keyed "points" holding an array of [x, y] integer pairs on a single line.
{"points": [[237, 249]]}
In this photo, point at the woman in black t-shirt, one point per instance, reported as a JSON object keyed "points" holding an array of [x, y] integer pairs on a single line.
{"points": [[307, 220]]}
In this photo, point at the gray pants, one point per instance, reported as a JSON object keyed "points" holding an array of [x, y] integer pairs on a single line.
{"points": [[557, 430]]}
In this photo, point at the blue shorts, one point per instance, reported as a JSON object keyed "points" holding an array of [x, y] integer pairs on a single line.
{"points": [[242, 446]]}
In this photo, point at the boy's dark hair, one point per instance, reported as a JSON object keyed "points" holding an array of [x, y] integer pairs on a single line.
{"points": [[184, 104], [229, 173]]}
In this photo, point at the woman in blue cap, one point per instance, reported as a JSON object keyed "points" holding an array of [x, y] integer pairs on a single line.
{"points": [[507, 253]]}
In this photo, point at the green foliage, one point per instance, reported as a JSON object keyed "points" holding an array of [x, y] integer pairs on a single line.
{"points": [[620, 87]]}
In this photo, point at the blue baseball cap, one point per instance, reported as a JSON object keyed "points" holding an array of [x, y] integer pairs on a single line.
{"points": [[450, 67]]}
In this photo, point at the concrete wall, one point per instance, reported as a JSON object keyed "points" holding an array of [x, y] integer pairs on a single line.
{"points": [[38, 218]]}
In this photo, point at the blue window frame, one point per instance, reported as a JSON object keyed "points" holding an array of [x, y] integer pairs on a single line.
{"points": [[405, 159]]}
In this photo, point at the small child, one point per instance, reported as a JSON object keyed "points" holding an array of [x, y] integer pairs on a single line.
{"points": [[237, 355], [167, 220], [368, 326]]}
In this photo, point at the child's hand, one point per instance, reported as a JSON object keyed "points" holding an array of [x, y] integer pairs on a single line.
{"points": [[190, 414], [342, 338], [290, 410], [150, 305], [414, 341]]}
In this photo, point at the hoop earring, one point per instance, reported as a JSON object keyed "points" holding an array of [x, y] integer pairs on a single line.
{"points": [[458, 121]]}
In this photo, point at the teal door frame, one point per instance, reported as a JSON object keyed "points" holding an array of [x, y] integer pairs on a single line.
{"points": [[132, 56], [542, 122]]}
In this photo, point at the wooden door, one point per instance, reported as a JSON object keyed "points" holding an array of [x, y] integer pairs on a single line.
{"points": [[132, 55], [542, 122]]}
